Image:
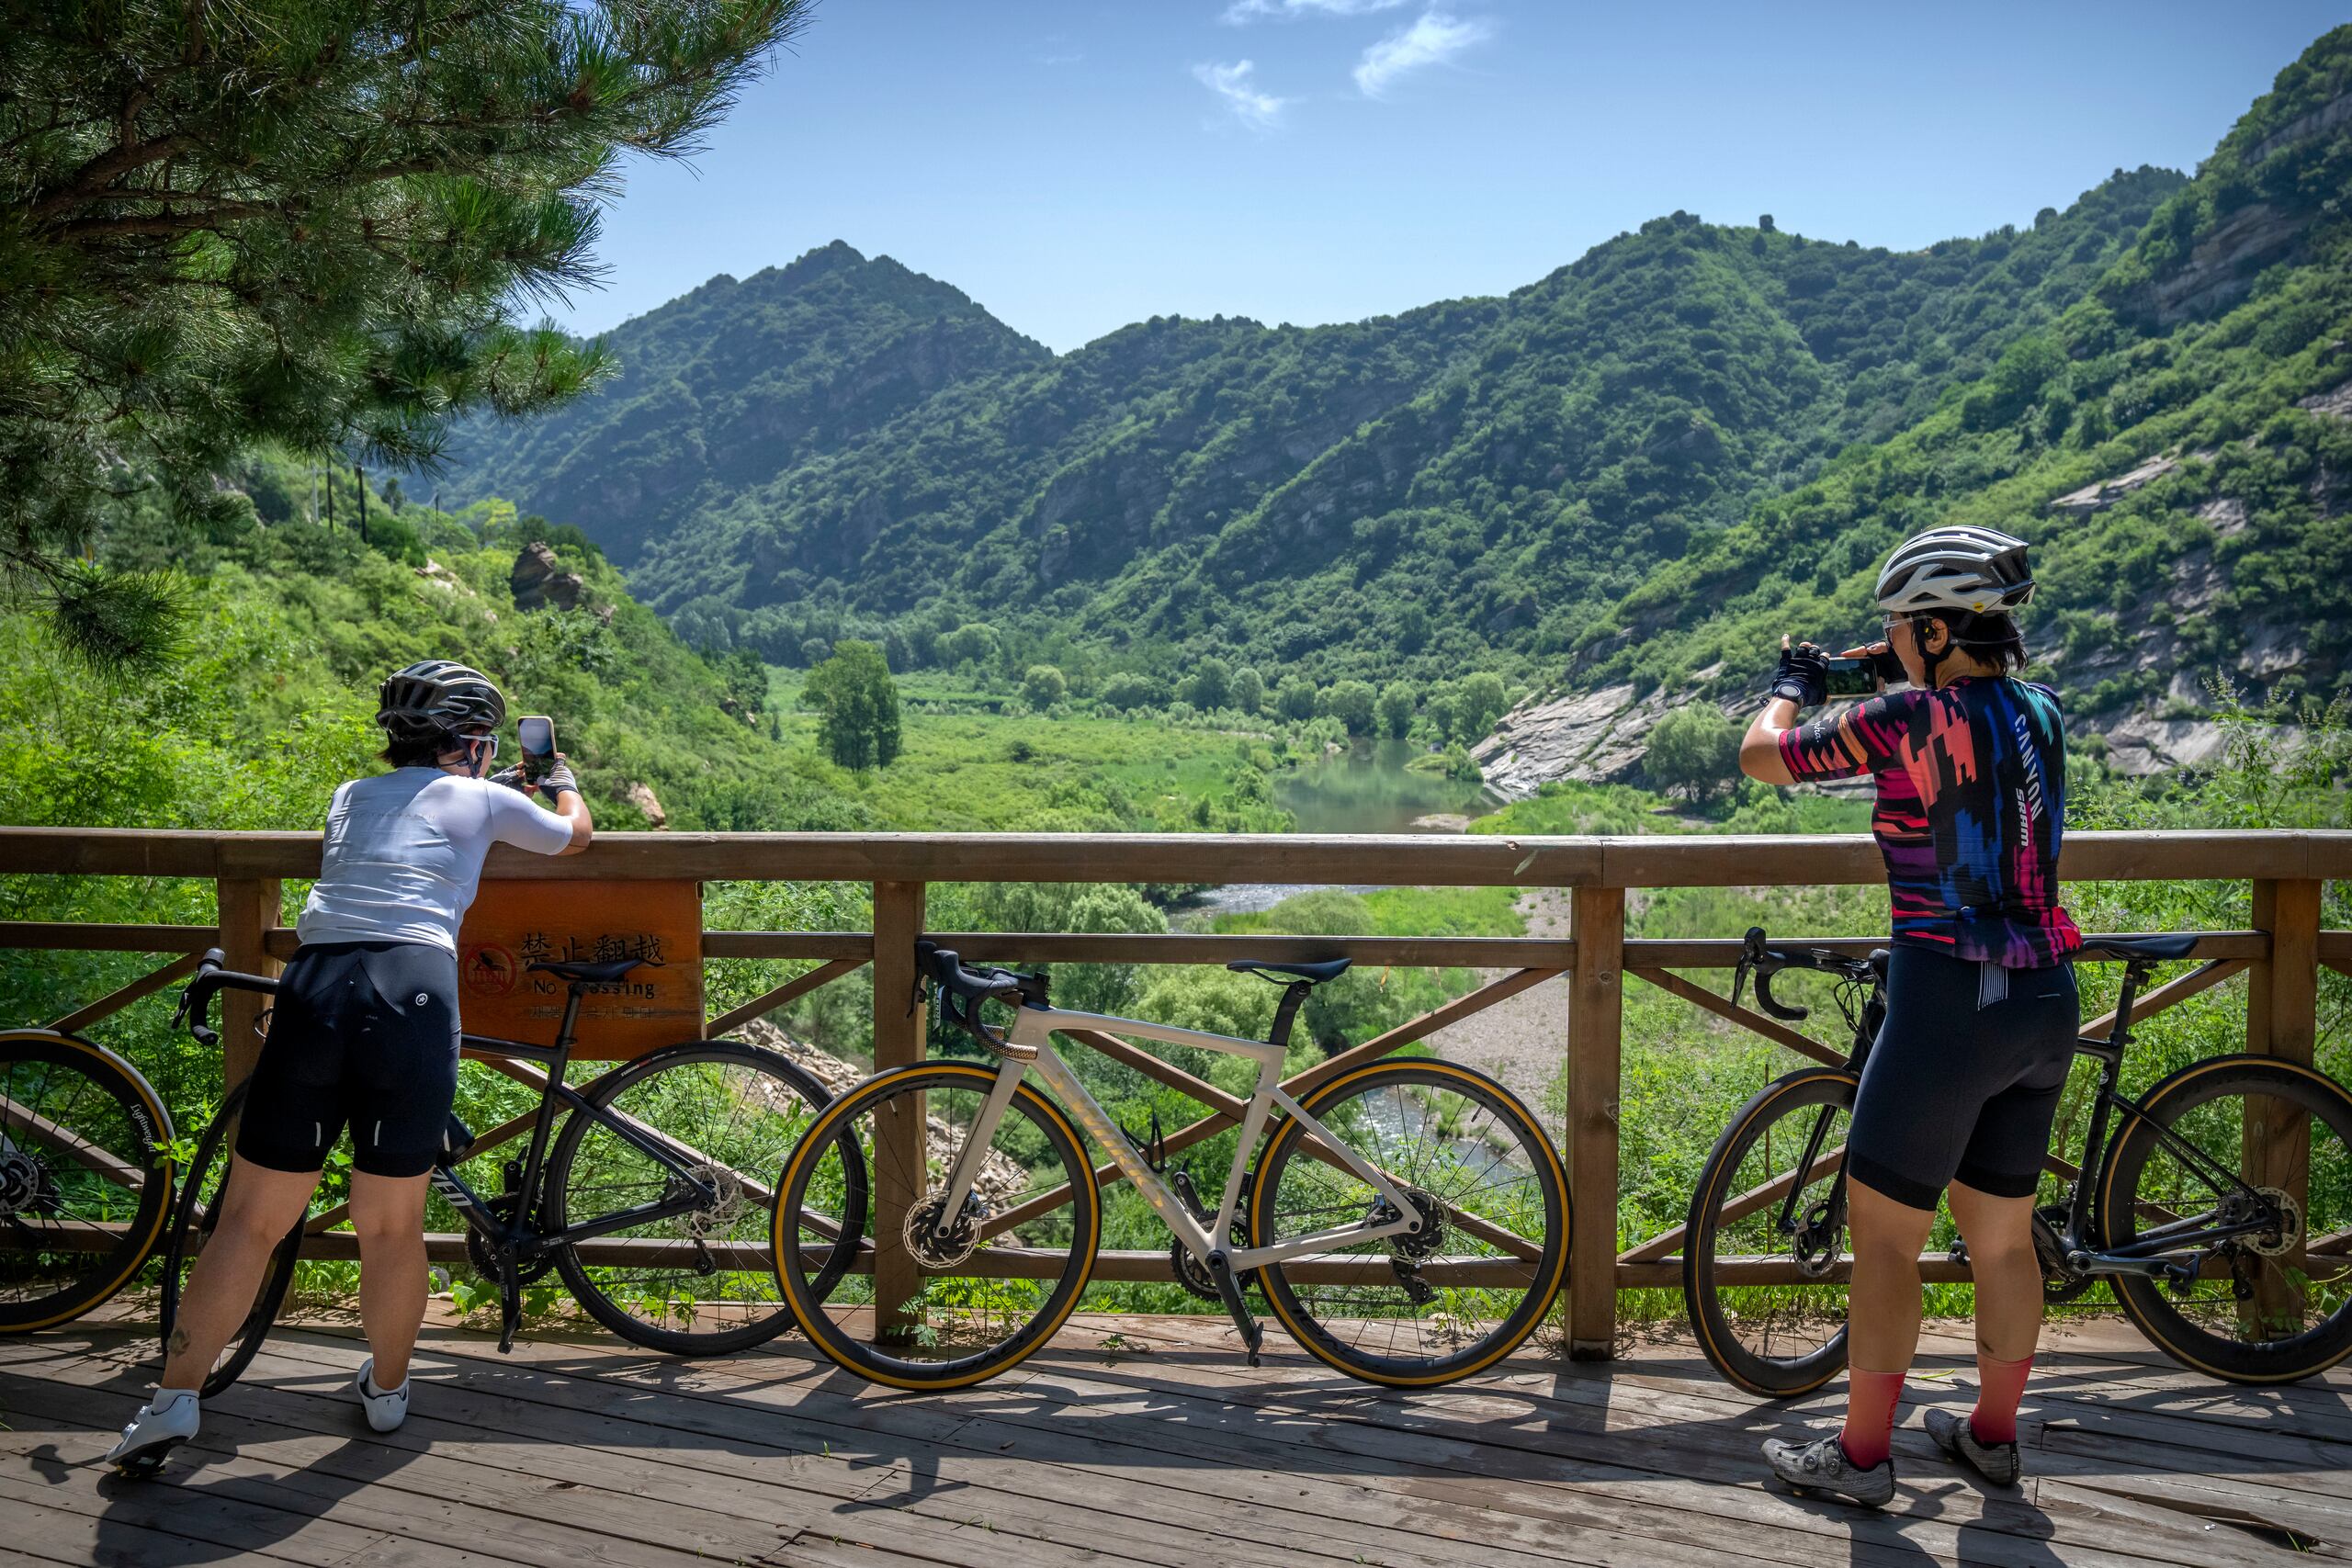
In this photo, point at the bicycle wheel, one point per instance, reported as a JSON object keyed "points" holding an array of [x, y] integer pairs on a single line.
{"points": [[993, 1285], [1413, 1312], [194, 1215], [2265, 1308], [1774, 1339], [85, 1176], [701, 1282]]}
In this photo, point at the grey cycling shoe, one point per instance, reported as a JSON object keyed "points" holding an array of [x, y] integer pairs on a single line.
{"points": [[1956, 1435], [1822, 1466]]}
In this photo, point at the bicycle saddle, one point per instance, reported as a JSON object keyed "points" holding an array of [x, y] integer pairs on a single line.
{"points": [[591, 974], [2145, 949], [1313, 973]]}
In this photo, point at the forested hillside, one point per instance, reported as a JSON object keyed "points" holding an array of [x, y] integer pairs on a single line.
{"points": [[807, 453]]}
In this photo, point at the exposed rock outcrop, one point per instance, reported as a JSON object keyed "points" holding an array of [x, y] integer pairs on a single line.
{"points": [[1596, 736], [538, 580], [2336, 402], [642, 797], [2107, 492]]}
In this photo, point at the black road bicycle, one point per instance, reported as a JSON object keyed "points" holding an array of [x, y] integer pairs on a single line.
{"points": [[662, 1162], [2218, 1205]]}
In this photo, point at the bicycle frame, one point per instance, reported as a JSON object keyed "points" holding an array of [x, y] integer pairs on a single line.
{"points": [[2146, 1254], [557, 1094], [1035, 1027]]}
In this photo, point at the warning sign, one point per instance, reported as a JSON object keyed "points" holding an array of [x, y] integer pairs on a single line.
{"points": [[513, 925]]}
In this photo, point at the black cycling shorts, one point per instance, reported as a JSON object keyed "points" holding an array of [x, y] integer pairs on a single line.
{"points": [[1953, 1091], [364, 1032]]}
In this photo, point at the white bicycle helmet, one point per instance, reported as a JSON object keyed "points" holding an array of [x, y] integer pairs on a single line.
{"points": [[439, 696], [1977, 569]]}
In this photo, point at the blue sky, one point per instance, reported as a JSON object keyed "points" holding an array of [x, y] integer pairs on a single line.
{"points": [[1075, 166]]}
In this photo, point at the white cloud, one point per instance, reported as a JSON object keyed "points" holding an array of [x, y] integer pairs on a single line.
{"points": [[1434, 39], [1242, 12], [1258, 111]]}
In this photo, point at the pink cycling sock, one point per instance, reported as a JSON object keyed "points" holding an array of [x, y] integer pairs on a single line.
{"points": [[1999, 1386], [1870, 1399]]}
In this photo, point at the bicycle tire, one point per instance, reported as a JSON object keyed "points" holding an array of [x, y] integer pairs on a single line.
{"points": [[836, 1333], [194, 1214], [595, 1288], [2152, 1306], [1809, 1089], [1321, 1333], [123, 1168]]}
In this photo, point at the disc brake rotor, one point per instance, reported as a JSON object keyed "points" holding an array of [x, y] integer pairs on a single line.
{"points": [[934, 1241], [717, 1218], [2290, 1234], [20, 1181]]}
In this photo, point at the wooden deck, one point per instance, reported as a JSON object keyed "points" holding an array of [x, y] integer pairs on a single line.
{"points": [[1158, 1446]]}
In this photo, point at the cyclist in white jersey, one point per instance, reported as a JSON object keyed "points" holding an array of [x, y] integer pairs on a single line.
{"points": [[364, 1033]]}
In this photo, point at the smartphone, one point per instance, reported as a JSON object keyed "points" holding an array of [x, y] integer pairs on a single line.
{"points": [[537, 732], [1847, 677]]}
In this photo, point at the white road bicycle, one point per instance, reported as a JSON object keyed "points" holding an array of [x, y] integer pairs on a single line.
{"points": [[1406, 1219]]}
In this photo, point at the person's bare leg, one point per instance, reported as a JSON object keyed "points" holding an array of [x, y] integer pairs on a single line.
{"points": [[2008, 1305], [261, 1206], [1999, 1233], [388, 1214], [1882, 1315], [1883, 1302]]}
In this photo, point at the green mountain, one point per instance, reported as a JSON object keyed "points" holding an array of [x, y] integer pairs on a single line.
{"points": [[1615, 484], [809, 451]]}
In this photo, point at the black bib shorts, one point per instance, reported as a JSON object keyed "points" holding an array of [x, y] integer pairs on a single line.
{"points": [[364, 1032], [1953, 1091]]}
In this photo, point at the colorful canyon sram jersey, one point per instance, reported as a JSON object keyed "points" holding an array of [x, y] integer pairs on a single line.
{"points": [[1971, 797]]}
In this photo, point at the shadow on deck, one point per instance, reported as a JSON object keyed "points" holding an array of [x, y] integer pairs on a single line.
{"points": [[1130, 1440]]}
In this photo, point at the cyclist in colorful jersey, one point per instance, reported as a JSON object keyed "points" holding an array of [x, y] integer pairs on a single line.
{"points": [[364, 1032], [1963, 1083]]}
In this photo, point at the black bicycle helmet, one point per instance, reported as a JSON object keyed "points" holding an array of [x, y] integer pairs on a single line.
{"points": [[1977, 569], [439, 696]]}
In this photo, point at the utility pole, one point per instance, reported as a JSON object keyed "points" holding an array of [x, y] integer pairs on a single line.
{"points": [[329, 477], [359, 476]]}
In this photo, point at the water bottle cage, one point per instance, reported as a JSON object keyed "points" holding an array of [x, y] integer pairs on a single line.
{"points": [[1154, 1149]]}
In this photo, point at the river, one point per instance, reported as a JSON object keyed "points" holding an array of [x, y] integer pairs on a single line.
{"points": [[1365, 789]]}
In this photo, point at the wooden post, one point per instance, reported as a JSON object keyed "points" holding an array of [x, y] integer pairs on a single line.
{"points": [[2282, 999], [249, 907], [1596, 1015], [2282, 1021], [898, 1148]]}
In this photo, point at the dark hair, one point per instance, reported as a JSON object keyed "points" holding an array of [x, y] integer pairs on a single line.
{"points": [[418, 748], [1992, 637]]}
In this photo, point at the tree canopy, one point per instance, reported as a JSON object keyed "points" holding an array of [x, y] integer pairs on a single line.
{"points": [[307, 223]]}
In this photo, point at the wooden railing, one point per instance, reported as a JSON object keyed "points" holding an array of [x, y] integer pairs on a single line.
{"points": [[2281, 955]]}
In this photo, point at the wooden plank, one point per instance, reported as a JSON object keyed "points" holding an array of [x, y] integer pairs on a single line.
{"points": [[799, 986], [2283, 1022], [825, 945], [898, 1144], [2335, 950], [1770, 1029], [2173, 992], [1395, 860], [1668, 1243], [88, 936], [1595, 1030], [27, 1122], [122, 996], [249, 907], [1724, 952]]}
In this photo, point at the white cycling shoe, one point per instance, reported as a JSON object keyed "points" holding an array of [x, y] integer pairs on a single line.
{"points": [[162, 1425], [386, 1409]]}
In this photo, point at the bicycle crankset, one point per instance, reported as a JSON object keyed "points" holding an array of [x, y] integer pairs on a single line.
{"points": [[482, 1253], [1816, 1249], [2061, 1280]]}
